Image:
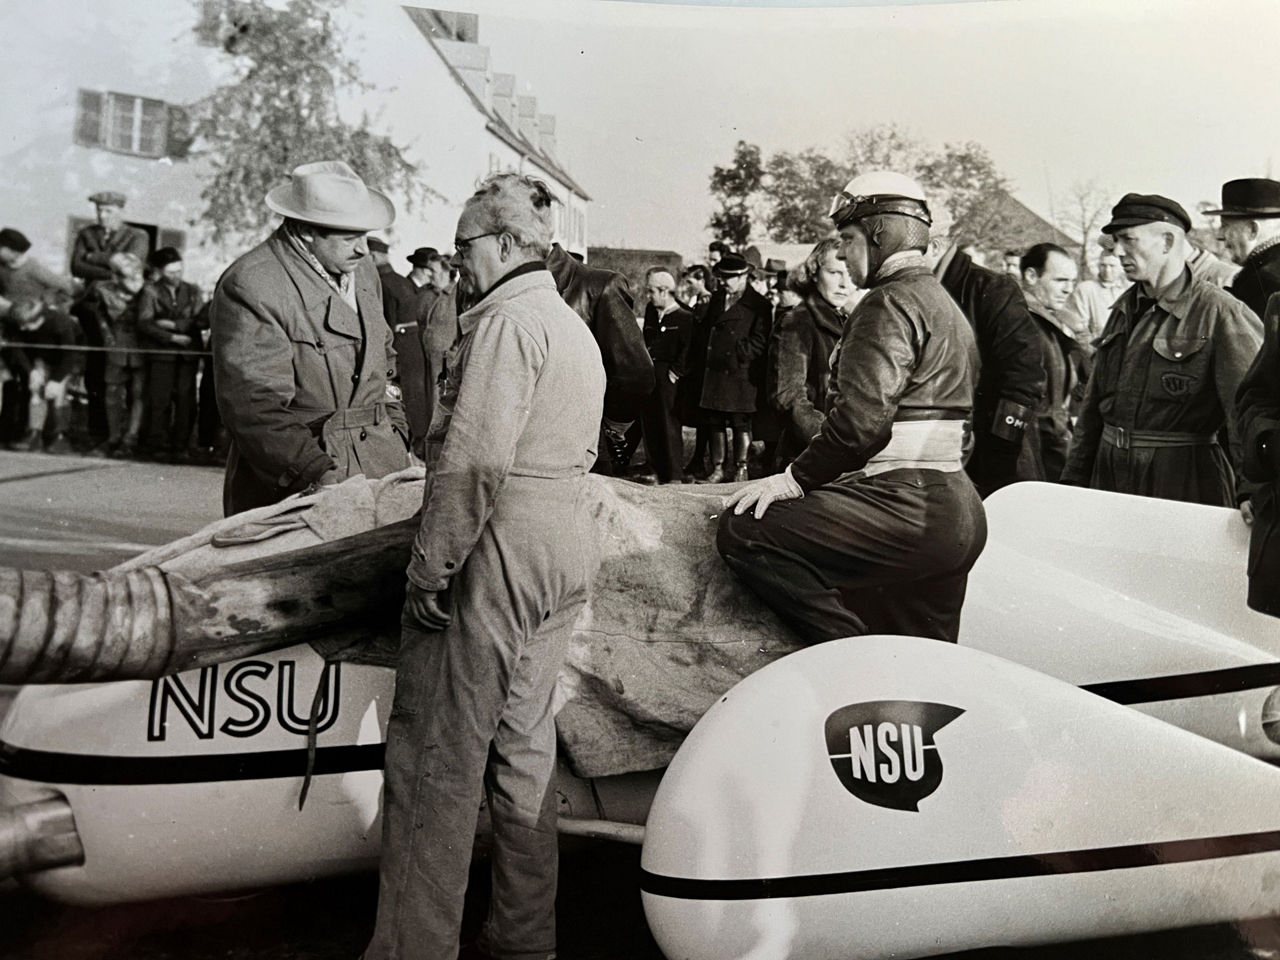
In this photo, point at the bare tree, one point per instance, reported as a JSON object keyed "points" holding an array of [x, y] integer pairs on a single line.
{"points": [[1081, 212]]}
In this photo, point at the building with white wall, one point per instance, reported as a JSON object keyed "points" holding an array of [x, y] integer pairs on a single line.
{"points": [[94, 98]]}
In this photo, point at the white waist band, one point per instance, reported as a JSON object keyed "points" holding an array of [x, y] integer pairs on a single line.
{"points": [[921, 445]]}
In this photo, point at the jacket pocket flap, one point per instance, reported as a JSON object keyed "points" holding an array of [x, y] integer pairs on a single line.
{"points": [[1179, 349]]}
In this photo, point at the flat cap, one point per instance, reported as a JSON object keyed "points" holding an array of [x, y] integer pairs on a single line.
{"points": [[731, 265], [14, 240], [377, 246], [1252, 197], [1137, 208], [107, 198]]}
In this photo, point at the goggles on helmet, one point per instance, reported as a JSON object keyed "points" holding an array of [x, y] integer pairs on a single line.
{"points": [[845, 207]]}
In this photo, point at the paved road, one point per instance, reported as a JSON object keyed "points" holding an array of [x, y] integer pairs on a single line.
{"points": [[71, 513]]}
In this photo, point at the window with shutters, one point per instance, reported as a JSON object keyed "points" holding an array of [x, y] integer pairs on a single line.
{"points": [[130, 124]]}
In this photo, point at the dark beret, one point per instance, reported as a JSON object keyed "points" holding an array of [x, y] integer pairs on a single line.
{"points": [[1137, 208], [423, 256], [731, 265], [14, 240], [164, 256], [377, 246]]}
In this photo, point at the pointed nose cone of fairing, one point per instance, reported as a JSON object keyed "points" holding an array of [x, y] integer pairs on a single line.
{"points": [[895, 797]]}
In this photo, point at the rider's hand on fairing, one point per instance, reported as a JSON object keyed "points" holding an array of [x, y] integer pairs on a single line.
{"points": [[425, 608], [762, 492], [1246, 511]]}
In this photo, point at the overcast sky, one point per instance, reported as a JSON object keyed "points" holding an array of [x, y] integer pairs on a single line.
{"points": [[1160, 96]]}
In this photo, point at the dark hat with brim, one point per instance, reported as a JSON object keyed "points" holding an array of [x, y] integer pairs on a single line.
{"points": [[1253, 197], [108, 198], [731, 265], [423, 256], [164, 256], [15, 241], [1138, 208], [377, 246]]}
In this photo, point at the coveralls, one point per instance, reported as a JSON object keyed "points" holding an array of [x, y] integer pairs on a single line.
{"points": [[507, 531], [1164, 376]]}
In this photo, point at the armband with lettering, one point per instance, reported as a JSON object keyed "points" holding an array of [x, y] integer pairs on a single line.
{"points": [[1011, 420]]}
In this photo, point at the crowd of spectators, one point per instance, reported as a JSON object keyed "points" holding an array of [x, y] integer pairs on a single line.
{"points": [[113, 360]]}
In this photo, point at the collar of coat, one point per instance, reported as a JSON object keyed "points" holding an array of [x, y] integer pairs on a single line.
{"points": [[826, 316], [509, 287], [320, 300], [1049, 317]]}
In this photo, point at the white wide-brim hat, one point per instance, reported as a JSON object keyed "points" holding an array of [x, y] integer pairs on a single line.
{"points": [[328, 193]]}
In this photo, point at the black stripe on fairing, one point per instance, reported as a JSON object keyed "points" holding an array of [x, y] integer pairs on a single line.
{"points": [[964, 871], [1181, 686], [86, 770]]}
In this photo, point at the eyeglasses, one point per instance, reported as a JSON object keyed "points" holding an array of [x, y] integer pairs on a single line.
{"points": [[461, 245]]}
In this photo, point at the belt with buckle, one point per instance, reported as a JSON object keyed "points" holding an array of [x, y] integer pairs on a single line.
{"points": [[1123, 438]]}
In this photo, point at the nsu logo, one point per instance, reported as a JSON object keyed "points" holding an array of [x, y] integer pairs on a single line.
{"points": [[883, 752]]}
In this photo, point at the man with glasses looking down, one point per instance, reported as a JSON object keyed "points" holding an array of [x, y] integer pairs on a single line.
{"points": [[501, 567], [874, 526]]}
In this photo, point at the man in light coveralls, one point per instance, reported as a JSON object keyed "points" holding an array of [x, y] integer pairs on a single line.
{"points": [[502, 565]]}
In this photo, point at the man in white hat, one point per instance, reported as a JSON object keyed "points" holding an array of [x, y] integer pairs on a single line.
{"points": [[303, 363]]}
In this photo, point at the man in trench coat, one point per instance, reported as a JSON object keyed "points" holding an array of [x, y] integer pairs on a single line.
{"points": [[303, 360]]}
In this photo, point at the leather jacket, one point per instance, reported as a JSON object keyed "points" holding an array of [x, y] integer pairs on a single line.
{"points": [[603, 300], [906, 353]]}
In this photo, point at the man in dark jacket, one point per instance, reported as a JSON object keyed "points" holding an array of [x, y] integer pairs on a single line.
{"points": [[1251, 233], [41, 337], [603, 300], [1258, 424], [880, 525], [91, 255], [1166, 370], [667, 327], [1048, 276], [399, 295], [737, 321], [166, 314], [1012, 378]]}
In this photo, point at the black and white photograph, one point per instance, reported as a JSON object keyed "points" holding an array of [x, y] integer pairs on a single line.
{"points": [[640, 480]]}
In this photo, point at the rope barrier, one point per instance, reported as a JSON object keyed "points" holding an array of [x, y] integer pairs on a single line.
{"points": [[86, 348]]}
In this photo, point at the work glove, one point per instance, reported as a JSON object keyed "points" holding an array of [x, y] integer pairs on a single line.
{"points": [[760, 493]]}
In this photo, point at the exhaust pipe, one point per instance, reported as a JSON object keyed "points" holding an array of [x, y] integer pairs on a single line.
{"points": [[38, 836]]}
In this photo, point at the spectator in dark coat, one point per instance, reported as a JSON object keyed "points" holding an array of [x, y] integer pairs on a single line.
{"points": [[91, 255], [1048, 276], [1258, 424], [399, 295], [1251, 233], [24, 278], [800, 349], [1012, 379], [737, 323], [167, 310], [109, 316], [603, 300], [667, 328], [40, 356]]}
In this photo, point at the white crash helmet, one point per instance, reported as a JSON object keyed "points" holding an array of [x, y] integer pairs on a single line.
{"points": [[879, 191]]}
